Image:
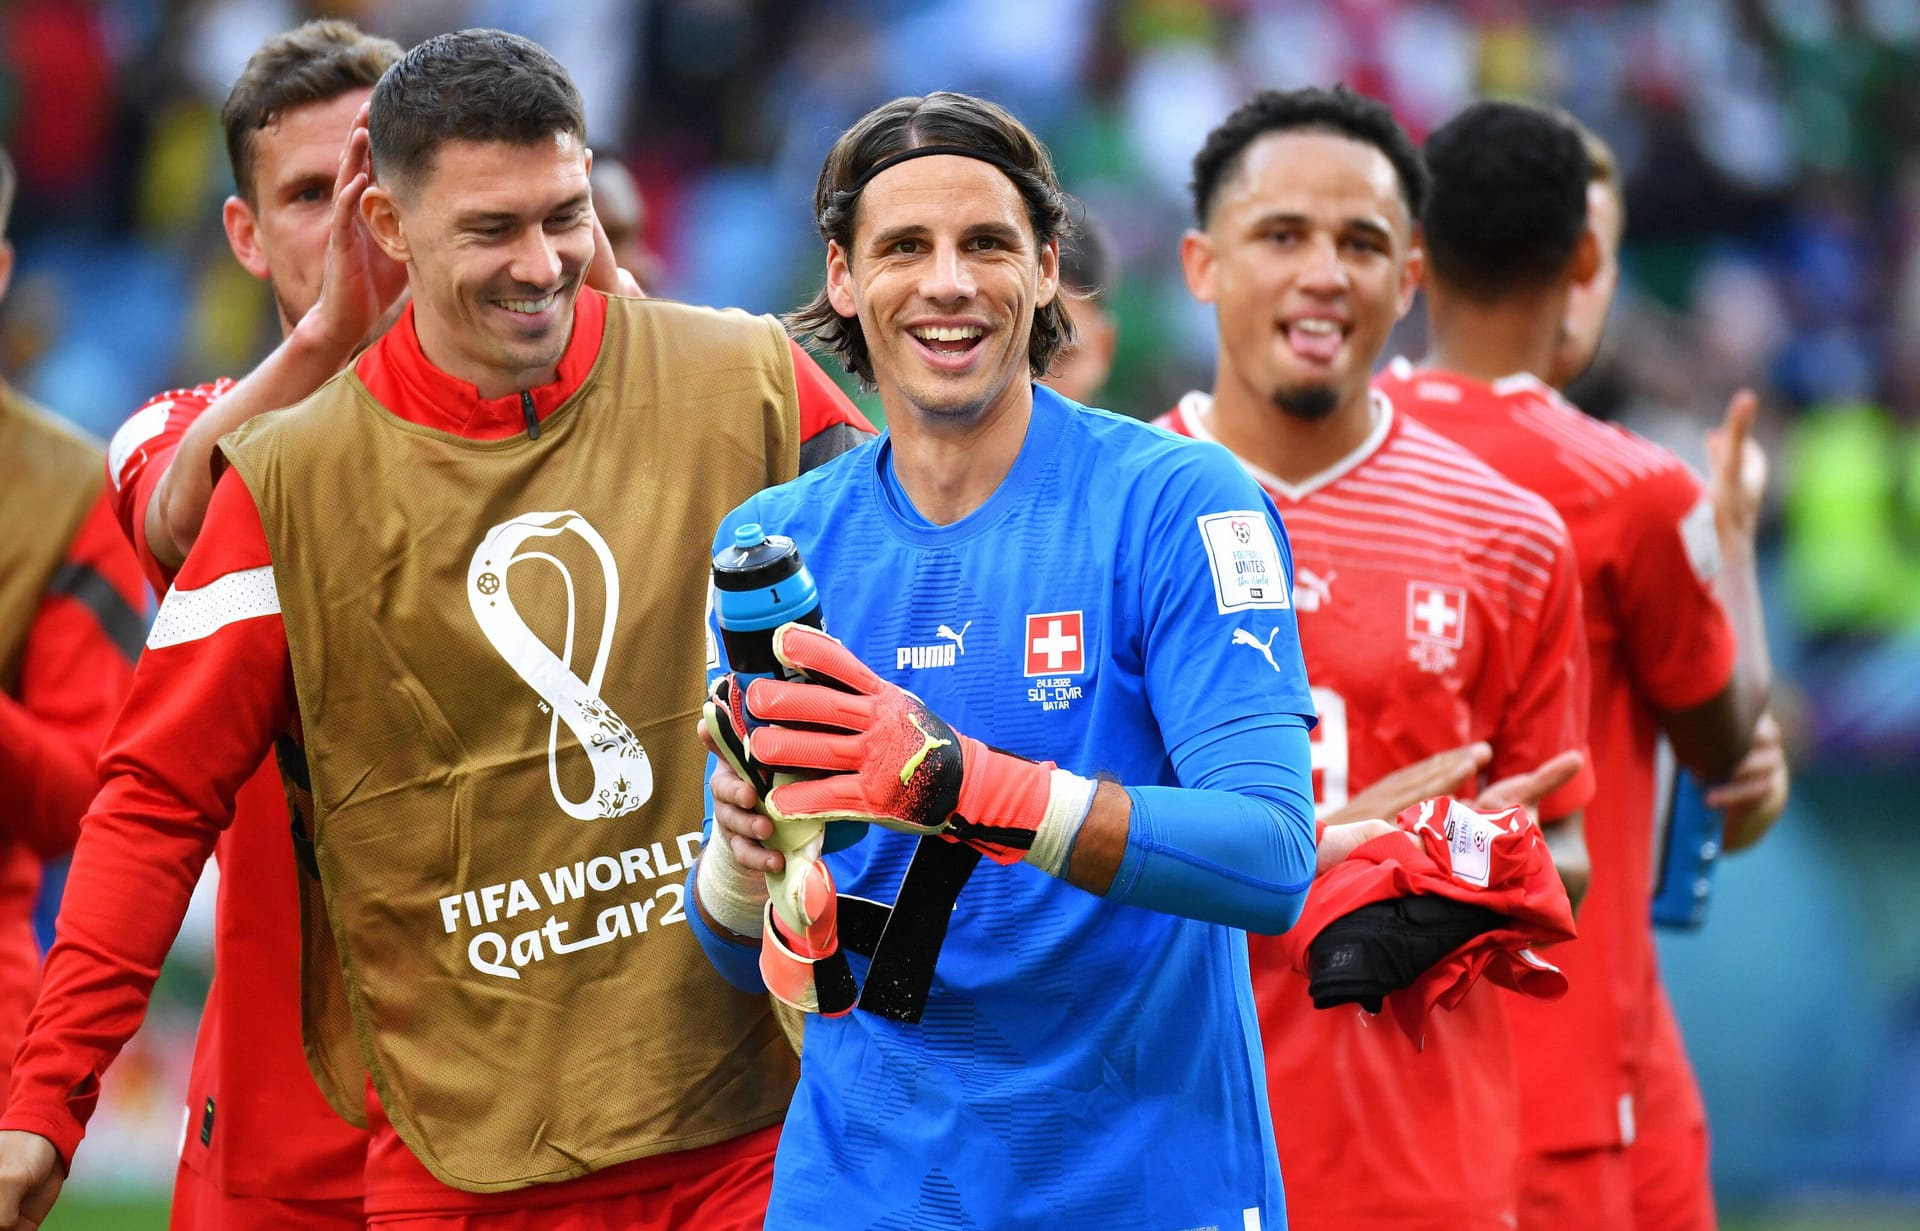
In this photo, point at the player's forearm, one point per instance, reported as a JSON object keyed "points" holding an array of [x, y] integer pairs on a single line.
{"points": [[1712, 738], [127, 890], [298, 366], [1738, 584], [1235, 848]]}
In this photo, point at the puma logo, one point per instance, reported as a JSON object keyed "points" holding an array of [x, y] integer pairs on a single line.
{"points": [[1242, 637], [1312, 591], [948, 634]]}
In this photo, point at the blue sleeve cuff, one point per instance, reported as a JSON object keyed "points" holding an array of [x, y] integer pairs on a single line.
{"points": [[738, 964]]}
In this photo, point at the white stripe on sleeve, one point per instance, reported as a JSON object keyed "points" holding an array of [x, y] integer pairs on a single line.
{"points": [[133, 433], [189, 615]]}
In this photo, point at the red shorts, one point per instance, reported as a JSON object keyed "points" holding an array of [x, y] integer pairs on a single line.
{"points": [[731, 1197], [199, 1206], [1576, 1190], [1672, 1182]]}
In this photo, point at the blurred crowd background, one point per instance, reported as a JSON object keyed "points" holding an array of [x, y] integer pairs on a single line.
{"points": [[1771, 157]]}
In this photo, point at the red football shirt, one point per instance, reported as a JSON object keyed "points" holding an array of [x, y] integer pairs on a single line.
{"points": [[1658, 639], [75, 668], [217, 678], [1438, 606], [256, 1125]]}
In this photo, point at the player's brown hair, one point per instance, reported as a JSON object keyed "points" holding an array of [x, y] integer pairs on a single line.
{"points": [[1604, 164], [1606, 168], [471, 85], [940, 118], [7, 182], [311, 63]]}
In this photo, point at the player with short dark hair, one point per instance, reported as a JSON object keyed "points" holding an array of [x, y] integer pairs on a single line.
{"points": [[412, 585], [1507, 205], [1673, 623], [1338, 111], [1439, 616], [1083, 1053]]}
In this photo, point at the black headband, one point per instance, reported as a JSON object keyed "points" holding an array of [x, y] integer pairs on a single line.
{"points": [[921, 151]]}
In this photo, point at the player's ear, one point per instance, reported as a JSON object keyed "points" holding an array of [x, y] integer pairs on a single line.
{"points": [[1049, 273], [382, 216], [1196, 262], [840, 281], [1412, 273], [1586, 257], [243, 236]]}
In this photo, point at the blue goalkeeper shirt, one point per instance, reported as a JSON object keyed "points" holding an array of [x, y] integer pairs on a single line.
{"points": [[1080, 1063]]}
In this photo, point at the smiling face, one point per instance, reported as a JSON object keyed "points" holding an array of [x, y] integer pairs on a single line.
{"points": [[496, 237], [1307, 260], [944, 274], [279, 231]]}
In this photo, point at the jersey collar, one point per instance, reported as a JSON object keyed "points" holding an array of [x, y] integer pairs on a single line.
{"points": [[1045, 427], [1196, 405], [401, 378]]}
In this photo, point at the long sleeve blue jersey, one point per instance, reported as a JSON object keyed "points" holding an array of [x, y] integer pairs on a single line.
{"points": [[1081, 1063]]}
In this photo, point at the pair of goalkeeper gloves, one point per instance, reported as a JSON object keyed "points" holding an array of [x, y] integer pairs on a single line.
{"points": [[836, 743]]}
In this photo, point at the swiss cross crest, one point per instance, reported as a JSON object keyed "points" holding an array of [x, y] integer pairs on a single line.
{"points": [[1056, 644], [1436, 624], [1242, 531]]}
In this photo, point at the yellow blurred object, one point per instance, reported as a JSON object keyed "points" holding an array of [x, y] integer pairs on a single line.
{"points": [[184, 158]]}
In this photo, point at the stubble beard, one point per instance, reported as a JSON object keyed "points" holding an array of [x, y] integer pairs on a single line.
{"points": [[1307, 402]]}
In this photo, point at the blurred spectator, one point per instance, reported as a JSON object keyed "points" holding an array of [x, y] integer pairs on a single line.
{"points": [[1087, 273], [623, 214]]}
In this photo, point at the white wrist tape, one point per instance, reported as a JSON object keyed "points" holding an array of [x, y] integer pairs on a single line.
{"points": [[735, 897], [1068, 802]]}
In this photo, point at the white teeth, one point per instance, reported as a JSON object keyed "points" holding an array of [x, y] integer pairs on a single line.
{"points": [[947, 333], [1317, 325], [529, 306]]}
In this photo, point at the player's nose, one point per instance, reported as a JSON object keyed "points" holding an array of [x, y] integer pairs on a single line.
{"points": [[536, 259], [948, 276], [1321, 269]]}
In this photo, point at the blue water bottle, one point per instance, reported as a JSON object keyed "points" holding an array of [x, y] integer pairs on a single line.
{"points": [[759, 584], [1683, 883]]}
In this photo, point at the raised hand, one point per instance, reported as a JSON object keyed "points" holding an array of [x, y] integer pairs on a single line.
{"points": [[361, 283], [1739, 465]]}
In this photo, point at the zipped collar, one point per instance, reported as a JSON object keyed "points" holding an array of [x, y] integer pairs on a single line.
{"points": [[401, 378]]}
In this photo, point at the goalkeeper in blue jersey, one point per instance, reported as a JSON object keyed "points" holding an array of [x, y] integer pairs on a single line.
{"points": [[1107, 715]]}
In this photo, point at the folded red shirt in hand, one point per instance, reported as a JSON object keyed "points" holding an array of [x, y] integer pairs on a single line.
{"points": [[1498, 861]]}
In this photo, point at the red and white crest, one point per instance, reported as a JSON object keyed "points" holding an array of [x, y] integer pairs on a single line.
{"points": [[1056, 644], [1436, 625], [1437, 613]]}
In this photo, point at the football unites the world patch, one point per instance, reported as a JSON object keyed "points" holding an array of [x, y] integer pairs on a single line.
{"points": [[1244, 555]]}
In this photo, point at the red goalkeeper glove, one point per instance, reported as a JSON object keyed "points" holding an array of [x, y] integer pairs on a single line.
{"points": [[885, 759]]}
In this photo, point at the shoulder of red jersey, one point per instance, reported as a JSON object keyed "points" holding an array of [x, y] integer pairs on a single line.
{"points": [[159, 422], [1480, 496], [1520, 420]]}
